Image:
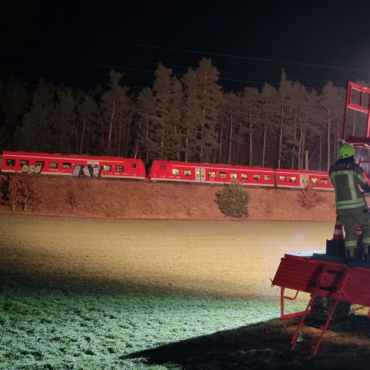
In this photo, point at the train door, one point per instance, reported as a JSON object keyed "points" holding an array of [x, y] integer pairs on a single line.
{"points": [[304, 181], [200, 174]]}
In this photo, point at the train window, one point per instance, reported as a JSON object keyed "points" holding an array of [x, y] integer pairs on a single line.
{"points": [[10, 162], [244, 176], [175, 172], [256, 177], [212, 174], [67, 166], [53, 165], [187, 172], [324, 181], [107, 167], [282, 178], [23, 162], [133, 165], [163, 167], [267, 177], [119, 168], [233, 176], [222, 175], [80, 164], [40, 163], [314, 180], [292, 179]]}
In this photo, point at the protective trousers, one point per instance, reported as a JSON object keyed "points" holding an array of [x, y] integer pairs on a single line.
{"points": [[362, 217]]}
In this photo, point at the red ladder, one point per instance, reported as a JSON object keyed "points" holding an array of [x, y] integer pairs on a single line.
{"points": [[336, 292]]}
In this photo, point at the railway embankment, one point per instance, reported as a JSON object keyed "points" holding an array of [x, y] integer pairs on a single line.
{"points": [[93, 198]]}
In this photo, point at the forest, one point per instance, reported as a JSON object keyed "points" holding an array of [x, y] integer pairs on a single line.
{"points": [[184, 118]]}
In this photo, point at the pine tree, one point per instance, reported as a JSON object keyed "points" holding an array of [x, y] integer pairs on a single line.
{"points": [[114, 105], [229, 128], [190, 116], [14, 101], [269, 114], [144, 146], [167, 118], [251, 117], [86, 119], [332, 102], [233, 200], [202, 115]]}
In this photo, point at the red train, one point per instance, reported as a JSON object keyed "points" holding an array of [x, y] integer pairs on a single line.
{"points": [[72, 165], [201, 173]]}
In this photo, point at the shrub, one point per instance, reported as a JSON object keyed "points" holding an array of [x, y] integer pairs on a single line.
{"points": [[28, 194], [233, 200], [308, 198], [12, 192], [20, 191], [71, 198]]}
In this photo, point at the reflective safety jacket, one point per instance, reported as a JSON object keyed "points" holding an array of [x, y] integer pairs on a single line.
{"points": [[346, 179]]}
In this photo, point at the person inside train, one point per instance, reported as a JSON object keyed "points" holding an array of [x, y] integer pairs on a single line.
{"points": [[347, 177]]}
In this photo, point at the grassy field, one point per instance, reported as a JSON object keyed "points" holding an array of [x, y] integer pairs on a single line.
{"points": [[110, 294]]}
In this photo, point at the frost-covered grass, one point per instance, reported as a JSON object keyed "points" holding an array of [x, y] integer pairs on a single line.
{"points": [[101, 294], [44, 326]]}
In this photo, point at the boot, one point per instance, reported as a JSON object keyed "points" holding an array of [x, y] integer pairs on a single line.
{"points": [[351, 262], [351, 258], [366, 255]]}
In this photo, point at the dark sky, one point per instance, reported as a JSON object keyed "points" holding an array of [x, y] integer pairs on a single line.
{"points": [[77, 43]]}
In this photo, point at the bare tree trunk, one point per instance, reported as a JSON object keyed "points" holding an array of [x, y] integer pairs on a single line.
{"points": [[147, 139], [110, 128], [230, 138], [250, 144], [82, 136], [127, 136], [281, 133], [202, 133], [220, 150], [119, 136], [320, 154], [264, 144]]}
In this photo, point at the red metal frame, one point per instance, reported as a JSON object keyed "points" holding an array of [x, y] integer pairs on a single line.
{"points": [[282, 305], [302, 273], [362, 142]]}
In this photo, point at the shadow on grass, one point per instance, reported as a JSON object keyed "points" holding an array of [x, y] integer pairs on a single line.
{"points": [[266, 345]]}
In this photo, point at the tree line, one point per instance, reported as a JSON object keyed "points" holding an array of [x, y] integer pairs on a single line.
{"points": [[187, 118]]}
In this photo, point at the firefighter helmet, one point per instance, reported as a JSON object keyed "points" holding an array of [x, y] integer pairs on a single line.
{"points": [[346, 151]]}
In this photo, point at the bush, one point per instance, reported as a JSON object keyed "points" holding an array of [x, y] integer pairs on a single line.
{"points": [[20, 191], [233, 200], [308, 198]]}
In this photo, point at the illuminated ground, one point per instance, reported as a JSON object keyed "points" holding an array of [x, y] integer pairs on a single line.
{"points": [[231, 259], [115, 294]]}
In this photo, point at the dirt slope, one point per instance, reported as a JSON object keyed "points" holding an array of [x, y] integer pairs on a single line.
{"points": [[139, 200]]}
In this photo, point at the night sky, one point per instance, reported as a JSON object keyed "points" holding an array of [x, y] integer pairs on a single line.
{"points": [[249, 42]]}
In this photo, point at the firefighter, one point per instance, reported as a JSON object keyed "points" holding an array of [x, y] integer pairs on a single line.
{"points": [[347, 177]]}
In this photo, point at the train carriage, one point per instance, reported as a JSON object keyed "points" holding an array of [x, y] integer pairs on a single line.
{"points": [[224, 174], [66, 165], [209, 173], [300, 179]]}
